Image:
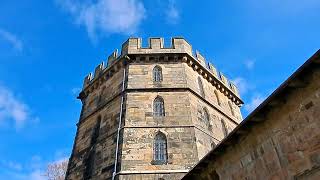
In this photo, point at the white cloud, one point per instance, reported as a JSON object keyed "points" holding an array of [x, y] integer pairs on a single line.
{"points": [[36, 175], [249, 64], [33, 175], [106, 16], [11, 108], [14, 165], [34, 169], [172, 12], [36, 162], [12, 39], [255, 102], [242, 85], [18, 171]]}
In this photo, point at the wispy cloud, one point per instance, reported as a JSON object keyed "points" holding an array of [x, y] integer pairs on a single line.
{"points": [[172, 12], [242, 84], [249, 64], [11, 108], [34, 169], [12, 39], [11, 165], [106, 16], [254, 102], [36, 175]]}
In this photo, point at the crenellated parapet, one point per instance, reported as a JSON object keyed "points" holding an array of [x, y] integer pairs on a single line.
{"points": [[103, 72], [112, 57], [156, 45], [157, 50]]}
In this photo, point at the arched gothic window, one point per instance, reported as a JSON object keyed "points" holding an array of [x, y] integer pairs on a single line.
{"points": [[206, 117], [201, 87], [217, 97], [231, 108], [157, 74], [158, 107], [160, 148], [224, 128]]}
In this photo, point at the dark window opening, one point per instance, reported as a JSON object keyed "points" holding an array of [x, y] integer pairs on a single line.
{"points": [[157, 74], [160, 149], [158, 107]]}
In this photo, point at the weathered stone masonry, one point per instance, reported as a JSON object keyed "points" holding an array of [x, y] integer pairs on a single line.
{"points": [[118, 122], [278, 140]]}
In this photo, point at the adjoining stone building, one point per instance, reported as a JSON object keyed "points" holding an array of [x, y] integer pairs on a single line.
{"points": [[278, 140], [151, 113]]}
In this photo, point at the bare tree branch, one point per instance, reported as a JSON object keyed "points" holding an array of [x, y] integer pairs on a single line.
{"points": [[56, 170]]}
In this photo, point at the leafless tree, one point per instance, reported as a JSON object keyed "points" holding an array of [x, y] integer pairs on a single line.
{"points": [[56, 170]]}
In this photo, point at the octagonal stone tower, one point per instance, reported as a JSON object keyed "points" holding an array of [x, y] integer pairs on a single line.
{"points": [[151, 113]]}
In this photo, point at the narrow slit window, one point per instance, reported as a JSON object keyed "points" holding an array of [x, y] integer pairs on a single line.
{"points": [[217, 97], [231, 108], [206, 117], [200, 84], [224, 128], [96, 131]]}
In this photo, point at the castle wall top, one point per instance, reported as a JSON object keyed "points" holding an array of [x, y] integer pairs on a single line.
{"points": [[156, 46]]}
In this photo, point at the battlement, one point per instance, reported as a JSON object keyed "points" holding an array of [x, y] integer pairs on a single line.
{"points": [[156, 45], [133, 46]]}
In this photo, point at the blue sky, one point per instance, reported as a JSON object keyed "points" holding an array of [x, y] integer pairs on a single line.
{"points": [[47, 47]]}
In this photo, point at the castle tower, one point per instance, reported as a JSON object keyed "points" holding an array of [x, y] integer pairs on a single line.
{"points": [[151, 113]]}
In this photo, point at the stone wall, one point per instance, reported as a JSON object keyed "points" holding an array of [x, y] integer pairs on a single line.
{"points": [[140, 76], [188, 137], [208, 134], [103, 149], [212, 94], [140, 109], [101, 95], [137, 151], [146, 176], [141, 127], [286, 145], [98, 157]]}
